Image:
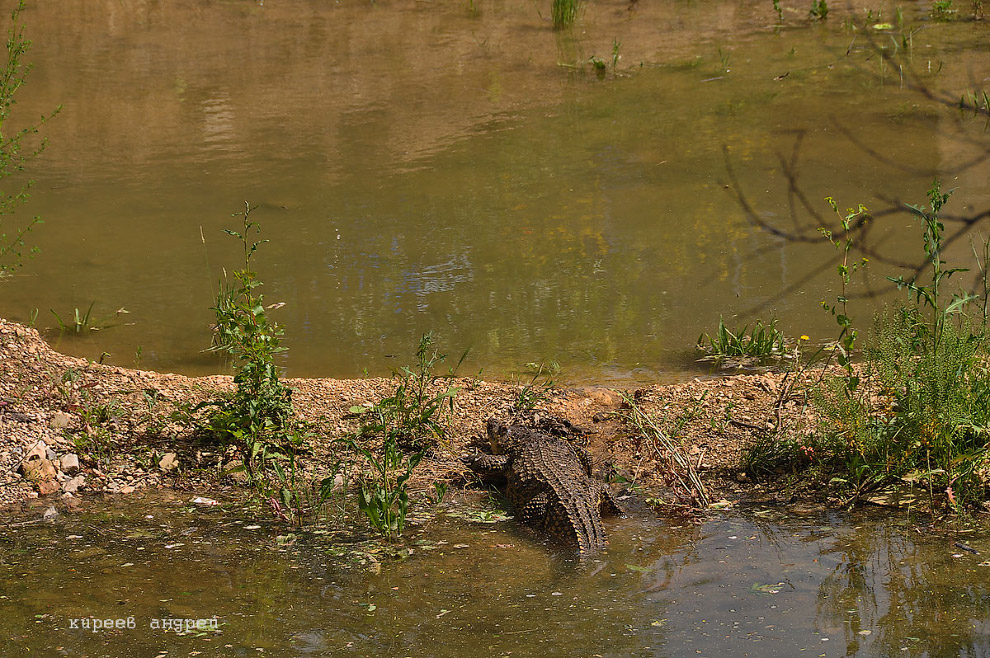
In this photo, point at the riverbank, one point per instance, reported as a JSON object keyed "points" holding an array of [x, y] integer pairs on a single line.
{"points": [[97, 429]]}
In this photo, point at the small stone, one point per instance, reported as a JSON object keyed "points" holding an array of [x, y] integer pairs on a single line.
{"points": [[47, 487], [126, 489], [50, 514], [742, 477], [50, 455], [61, 420], [168, 462], [72, 486], [36, 467], [69, 463]]}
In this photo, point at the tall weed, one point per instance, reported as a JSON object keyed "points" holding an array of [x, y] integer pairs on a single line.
{"points": [[259, 416], [923, 411], [15, 151]]}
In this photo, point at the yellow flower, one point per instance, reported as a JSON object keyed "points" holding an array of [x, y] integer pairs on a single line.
{"points": [[803, 337]]}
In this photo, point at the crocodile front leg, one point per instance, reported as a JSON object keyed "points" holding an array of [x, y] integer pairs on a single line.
{"points": [[489, 464]]}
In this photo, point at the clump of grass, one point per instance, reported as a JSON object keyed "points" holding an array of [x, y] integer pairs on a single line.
{"points": [[819, 9], [943, 10], [539, 380], [564, 12], [411, 418], [82, 322], [78, 324], [763, 341]]}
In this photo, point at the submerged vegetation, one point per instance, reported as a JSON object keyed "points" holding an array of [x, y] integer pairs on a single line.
{"points": [[564, 12]]}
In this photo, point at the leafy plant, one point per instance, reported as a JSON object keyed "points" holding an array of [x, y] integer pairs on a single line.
{"points": [[439, 492], [599, 66], [762, 341], [943, 10], [919, 407], [259, 415], [293, 497], [414, 413], [819, 9], [382, 496], [98, 443], [780, 12], [411, 418], [846, 341]]}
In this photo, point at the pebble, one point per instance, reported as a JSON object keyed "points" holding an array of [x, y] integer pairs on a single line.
{"points": [[69, 463]]}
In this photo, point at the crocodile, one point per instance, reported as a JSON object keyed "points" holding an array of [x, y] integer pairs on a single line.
{"points": [[549, 484]]}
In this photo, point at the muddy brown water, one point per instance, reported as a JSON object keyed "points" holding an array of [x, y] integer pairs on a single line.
{"points": [[756, 582], [458, 167]]}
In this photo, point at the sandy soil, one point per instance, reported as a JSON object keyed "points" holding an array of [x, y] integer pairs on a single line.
{"points": [[122, 422]]}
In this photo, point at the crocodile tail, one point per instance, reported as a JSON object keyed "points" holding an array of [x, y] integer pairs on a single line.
{"points": [[577, 520], [607, 504]]}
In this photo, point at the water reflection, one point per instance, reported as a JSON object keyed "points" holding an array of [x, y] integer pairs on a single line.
{"points": [[434, 168], [760, 583]]}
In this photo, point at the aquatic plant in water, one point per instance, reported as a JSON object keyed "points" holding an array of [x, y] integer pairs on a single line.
{"points": [[563, 12], [761, 342]]}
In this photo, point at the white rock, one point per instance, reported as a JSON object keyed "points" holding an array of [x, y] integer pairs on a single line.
{"points": [[61, 420], [69, 463], [168, 462], [72, 486]]}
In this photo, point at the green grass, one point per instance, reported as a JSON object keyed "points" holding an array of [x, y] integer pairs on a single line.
{"points": [[564, 12], [80, 322]]}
